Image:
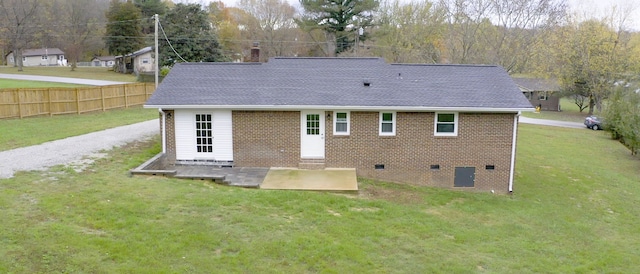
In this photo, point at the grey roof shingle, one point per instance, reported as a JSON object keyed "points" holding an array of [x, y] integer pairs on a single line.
{"points": [[43, 51], [338, 82]]}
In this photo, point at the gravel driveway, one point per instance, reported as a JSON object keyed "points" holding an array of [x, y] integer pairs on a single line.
{"points": [[78, 150]]}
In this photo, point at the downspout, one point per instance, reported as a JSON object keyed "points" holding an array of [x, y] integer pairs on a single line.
{"points": [[513, 151], [164, 130]]}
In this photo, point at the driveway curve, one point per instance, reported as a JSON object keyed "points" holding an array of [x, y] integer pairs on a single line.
{"points": [[80, 150], [553, 123], [68, 80]]}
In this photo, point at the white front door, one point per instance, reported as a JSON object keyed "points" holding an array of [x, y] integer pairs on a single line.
{"points": [[312, 135]]}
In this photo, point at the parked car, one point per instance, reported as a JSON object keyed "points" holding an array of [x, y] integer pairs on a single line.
{"points": [[593, 122]]}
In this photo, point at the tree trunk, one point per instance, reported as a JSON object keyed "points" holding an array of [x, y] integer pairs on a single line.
{"points": [[592, 103]]}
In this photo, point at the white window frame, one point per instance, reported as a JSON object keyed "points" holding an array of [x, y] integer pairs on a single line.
{"points": [[393, 124], [455, 125], [44, 57], [543, 96], [145, 61], [335, 123], [24, 58]]}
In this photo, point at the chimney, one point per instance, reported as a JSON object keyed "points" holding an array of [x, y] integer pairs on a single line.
{"points": [[255, 52]]}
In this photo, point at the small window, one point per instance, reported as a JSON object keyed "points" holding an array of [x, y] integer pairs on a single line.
{"points": [[60, 57], [379, 166], [435, 167], [388, 123], [542, 95], [340, 123], [145, 60], [446, 124], [24, 58], [44, 57], [490, 167]]}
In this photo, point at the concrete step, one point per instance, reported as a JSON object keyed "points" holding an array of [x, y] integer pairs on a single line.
{"points": [[313, 164]]}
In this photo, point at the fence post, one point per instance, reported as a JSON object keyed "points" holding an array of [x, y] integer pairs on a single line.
{"points": [[77, 101], [126, 102], [102, 96], [49, 97], [19, 104]]}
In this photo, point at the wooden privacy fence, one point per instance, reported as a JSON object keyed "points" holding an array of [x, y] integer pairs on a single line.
{"points": [[26, 102]]}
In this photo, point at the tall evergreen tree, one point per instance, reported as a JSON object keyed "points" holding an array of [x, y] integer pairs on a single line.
{"points": [[341, 20], [124, 30], [148, 9], [189, 30]]}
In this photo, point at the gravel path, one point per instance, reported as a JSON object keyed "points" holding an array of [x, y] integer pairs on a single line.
{"points": [[76, 151], [78, 81]]}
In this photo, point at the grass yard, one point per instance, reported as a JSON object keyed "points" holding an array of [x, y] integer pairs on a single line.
{"points": [[574, 210], [570, 112], [9, 83], [80, 72], [37, 130]]}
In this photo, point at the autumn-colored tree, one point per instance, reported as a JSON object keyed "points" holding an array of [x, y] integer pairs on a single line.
{"points": [[409, 33], [272, 24]]}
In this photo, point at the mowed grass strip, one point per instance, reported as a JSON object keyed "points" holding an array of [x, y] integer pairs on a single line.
{"points": [[37, 130], [96, 73], [9, 83], [574, 210]]}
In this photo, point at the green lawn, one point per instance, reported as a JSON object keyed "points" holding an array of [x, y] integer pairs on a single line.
{"points": [[570, 112], [36, 130], [574, 210], [80, 72], [8, 83]]}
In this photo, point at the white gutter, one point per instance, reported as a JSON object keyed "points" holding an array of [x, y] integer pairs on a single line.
{"points": [[513, 151], [355, 108], [164, 130]]}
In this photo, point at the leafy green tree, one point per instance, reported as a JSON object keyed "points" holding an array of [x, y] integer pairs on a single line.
{"points": [[149, 8], [124, 30], [192, 39], [622, 115], [340, 20]]}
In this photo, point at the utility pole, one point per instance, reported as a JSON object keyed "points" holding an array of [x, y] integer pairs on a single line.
{"points": [[155, 59]]}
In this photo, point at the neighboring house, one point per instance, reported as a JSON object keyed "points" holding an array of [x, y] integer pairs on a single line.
{"points": [[140, 61], [540, 92], [451, 126], [39, 57], [103, 61]]}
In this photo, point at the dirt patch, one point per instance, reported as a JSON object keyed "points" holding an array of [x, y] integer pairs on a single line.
{"points": [[403, 196]]}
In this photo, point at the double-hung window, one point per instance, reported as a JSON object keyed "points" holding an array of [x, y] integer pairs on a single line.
{"points": [[387, 124], [340, 123], [446, 124]]}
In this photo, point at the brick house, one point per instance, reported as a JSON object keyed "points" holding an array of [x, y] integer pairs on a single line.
{"points": [[540, 91], [451, 126]]}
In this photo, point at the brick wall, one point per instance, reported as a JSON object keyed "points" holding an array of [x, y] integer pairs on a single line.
{"points": [[483, 139], [266, 138]]}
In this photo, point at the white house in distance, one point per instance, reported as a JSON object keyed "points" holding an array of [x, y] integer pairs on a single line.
{"points": [[39, 57], [140, 61], [103, 61]]}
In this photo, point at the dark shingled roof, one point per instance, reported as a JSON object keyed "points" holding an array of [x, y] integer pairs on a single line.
{"points": [[338, 82]]}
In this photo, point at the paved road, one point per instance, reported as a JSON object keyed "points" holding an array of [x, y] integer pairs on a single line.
{"points": [[554, 123], [78, 81], [77, 151]]}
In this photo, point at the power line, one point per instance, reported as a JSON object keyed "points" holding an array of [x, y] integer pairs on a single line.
{"points": [[169, 42]]}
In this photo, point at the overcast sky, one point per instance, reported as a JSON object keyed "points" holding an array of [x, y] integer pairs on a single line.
{"points": [[583, 8]]}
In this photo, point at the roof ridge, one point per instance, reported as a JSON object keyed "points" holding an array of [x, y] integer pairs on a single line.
{"points": [[445, 65]]}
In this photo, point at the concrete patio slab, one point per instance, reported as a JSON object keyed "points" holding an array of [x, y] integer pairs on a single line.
{"points": [[343, 179]]}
